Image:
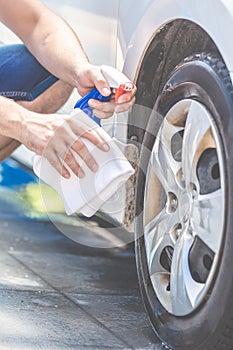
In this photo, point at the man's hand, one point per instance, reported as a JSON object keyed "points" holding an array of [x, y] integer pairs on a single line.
{"points": [[90, 76], [54, 136]]}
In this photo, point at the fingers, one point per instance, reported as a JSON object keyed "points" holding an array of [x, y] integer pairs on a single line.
{"points": [[102, 109], [106, 109], [84, 131], [127, 96], [96, 140], [100, 82], [68, 140], [124, 107], [72, 164], [80, 148], [63, 159], [56, 163]]}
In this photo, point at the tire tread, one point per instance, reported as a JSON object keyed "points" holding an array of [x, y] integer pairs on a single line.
{"points": [[225, 341], [216, 63]]}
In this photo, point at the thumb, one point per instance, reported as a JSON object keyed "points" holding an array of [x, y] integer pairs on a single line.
{"points": [[100, 82]]}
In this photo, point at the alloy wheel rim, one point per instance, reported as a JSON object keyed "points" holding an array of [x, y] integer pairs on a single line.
{"points": [[184, 207]]}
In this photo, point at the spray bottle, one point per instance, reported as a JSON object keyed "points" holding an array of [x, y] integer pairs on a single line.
{"points": [[118, 83], [90, 193]]}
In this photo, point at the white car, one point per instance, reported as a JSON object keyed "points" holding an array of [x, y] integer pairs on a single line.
{"points": [[180, 134]]}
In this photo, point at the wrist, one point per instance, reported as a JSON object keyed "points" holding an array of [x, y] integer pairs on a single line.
{"points": [[8, 118], [12, 119], [77, 70]]}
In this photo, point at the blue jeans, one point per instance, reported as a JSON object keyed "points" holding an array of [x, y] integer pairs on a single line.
{"points": [[21, 76]]}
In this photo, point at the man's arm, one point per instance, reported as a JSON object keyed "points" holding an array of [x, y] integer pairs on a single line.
{"points": [[52, 42], [50, 135], [58, 49]]}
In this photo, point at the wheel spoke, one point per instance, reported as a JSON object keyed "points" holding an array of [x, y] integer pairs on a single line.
{"points": [[207, 218], [184, 290], [196, 127], [157, 238], [163, 162]]}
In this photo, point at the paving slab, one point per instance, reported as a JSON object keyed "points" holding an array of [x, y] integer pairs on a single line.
{"points": [[17, 276], [124, 316], [58, 294], [48, 319]]}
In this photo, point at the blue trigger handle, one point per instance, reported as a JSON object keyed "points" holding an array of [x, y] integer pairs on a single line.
{"points": [[83, 103]]}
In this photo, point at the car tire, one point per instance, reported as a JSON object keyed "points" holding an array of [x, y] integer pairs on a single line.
{"points": [[184, 203]]}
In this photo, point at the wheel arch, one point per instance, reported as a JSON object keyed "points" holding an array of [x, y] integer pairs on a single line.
{"points": [[168, 47]]}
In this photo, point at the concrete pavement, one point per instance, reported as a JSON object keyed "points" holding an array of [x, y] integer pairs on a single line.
{"points": [[57, 294]]}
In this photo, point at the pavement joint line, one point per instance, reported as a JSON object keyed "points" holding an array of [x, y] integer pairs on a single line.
{"points": [[99, 323]]}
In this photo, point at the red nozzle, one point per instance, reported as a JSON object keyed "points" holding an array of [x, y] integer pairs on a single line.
{"points": [[125, 87]]}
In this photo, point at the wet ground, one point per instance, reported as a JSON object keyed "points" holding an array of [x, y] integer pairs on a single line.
{"points": [[59, 294]]}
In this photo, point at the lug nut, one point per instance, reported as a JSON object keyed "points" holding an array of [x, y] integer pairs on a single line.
{"points": [[180, 178], [172, 202], [193, 190], [175, 232]]}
